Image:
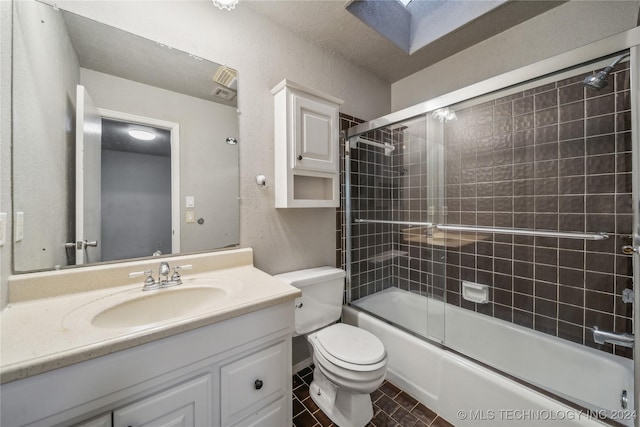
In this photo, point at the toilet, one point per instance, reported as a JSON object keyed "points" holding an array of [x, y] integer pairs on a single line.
{"points": [[350, 362]]}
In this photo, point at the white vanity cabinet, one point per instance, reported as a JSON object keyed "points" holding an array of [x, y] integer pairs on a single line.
{"points": [[306, 131], [236, 372]]}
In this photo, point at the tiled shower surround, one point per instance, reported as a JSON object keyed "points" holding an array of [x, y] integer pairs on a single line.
{"points": [[554, 157]]}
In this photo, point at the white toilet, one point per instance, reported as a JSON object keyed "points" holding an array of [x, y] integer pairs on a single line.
{"points": [[350, 363]]}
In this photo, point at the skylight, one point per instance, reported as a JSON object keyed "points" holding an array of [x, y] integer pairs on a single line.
{"points": [[411, 25]]}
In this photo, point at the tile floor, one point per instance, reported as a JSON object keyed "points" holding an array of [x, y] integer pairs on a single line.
{"points": [[392, 407]]}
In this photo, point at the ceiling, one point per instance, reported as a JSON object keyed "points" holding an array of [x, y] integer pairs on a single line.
{"points": [[115, 137], [328, 24], [116, 52]]}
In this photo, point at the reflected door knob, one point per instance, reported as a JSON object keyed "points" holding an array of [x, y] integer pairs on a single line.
{"points": [[258, 384], [299, 157]]}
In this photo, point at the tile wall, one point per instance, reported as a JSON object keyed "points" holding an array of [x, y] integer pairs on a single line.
{"points": [[554, 157]]}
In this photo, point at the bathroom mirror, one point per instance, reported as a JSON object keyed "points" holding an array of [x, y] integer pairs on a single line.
{"points": [[122, 147]]}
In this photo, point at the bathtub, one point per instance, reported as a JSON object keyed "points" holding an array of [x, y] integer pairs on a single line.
{"points": [[469, 394]]}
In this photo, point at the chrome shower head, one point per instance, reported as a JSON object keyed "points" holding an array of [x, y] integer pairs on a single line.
{"points": [[599, 80]]}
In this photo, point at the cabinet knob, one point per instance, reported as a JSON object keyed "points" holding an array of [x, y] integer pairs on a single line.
{"points": [[258, 384], [299, 157]]}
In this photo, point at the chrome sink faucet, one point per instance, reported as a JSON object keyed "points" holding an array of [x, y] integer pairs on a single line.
{"points": [[163, 276], [163, 273]]}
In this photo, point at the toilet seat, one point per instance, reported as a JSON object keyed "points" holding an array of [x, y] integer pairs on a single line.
{"points": [[350, 348]]}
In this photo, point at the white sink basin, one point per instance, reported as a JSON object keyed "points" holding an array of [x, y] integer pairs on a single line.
{"points": [[158, 306]]}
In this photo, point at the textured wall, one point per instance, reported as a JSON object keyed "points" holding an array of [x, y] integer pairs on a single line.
{"points": [[46, 73], [561, 29], [5, 141]]}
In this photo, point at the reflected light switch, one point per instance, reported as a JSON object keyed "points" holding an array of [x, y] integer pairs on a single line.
{"points": [[19, 226], [191, 202], [3, 228], [191, 216]]}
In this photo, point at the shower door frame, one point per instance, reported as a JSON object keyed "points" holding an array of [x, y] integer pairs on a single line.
{"points": [[576, 58]]}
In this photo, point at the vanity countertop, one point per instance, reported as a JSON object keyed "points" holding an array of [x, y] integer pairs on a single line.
{"points": [[39, 334]]}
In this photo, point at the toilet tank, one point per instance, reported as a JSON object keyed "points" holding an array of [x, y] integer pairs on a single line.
{"points": [[321, 300]]}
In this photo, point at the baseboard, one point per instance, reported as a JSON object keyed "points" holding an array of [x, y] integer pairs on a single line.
{"points": [[302, 364]]}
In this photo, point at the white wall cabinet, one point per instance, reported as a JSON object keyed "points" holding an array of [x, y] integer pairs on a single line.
{"points": [[232, 373], [306, 147]]}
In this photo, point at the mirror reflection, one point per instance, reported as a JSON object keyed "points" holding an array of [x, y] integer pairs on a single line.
{"points": [[122, 147]]}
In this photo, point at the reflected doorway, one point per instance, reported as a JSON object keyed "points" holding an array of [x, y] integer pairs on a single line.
{"points": [[139, 194]]}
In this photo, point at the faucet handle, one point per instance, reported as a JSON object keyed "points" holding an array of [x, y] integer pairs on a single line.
{"points": [[140, 273], [176, 275], [149, 282]]}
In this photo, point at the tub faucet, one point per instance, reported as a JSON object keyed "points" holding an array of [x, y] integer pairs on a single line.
{"points": [[621, 339]]}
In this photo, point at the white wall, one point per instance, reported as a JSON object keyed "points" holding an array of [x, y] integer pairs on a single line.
{"points": [[264, 54], [561, 29], [46, 73]]}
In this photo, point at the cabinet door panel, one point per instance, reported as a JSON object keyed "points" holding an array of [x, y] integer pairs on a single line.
{"points": [[184, 405], [252, 382], [271, 416], [102, 421], [315, 135]]}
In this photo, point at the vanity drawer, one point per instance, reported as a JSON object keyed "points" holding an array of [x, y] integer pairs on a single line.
{"points": [[252, 382]]}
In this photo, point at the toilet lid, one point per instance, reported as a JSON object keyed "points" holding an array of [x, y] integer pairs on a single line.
{"points": [[350, 344]]}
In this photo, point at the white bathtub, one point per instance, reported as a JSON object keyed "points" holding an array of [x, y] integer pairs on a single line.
{"points": [[449, 383]]}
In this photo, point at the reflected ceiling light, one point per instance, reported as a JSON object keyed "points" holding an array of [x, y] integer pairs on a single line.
{"points": [[225, 4], [143, 135], [444, 115]]}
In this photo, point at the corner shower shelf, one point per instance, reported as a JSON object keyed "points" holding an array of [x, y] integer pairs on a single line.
{"points": [[386, 256], [439, 238], [495, 230]]}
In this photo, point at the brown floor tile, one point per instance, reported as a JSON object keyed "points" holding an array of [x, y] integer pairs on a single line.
{"points": [[301, 392], [308, 378], [404, 417], [423, 413], [297, 407], [406, 401], [420, 424], [441, 422], [383, 420], [304, 419], [310, 405], [376, 394], [389, 389], [387, 404], [323, 419], [296, 381], [305, 371]]}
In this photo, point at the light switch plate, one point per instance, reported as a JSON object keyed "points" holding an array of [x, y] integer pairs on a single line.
{"points": [[3, 228], [191, 202], [190, 217], [19, 226]]}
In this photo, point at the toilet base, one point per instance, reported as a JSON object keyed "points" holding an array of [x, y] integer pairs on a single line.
{"points": [[345, 408]]}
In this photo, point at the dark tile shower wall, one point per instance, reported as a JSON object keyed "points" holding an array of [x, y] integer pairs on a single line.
{"points": [[373, 188], [556, 157]]}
